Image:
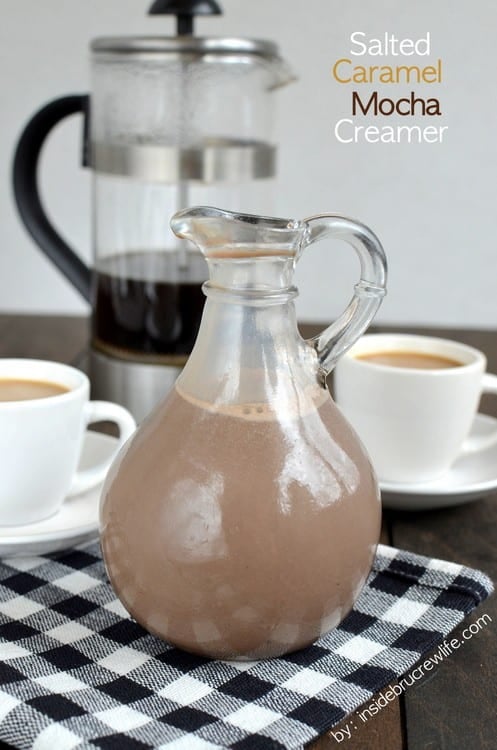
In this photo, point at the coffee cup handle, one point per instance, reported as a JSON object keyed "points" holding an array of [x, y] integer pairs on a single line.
{"points": [[480, 442], [102, 411]]}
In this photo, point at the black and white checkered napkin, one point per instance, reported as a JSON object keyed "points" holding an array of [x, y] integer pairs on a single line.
{"points": [[75, 671]]}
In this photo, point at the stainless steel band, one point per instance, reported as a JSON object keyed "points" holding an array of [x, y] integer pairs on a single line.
{"points": [[222, 160], [138, 387], [183, 45]]}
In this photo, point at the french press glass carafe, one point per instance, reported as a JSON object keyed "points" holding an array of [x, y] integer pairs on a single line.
{"points": [[171, 122]]}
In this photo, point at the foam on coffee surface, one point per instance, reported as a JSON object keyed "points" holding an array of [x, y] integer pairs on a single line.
{"points": [[17, 389]]}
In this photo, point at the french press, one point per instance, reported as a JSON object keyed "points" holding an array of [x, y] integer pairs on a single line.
{"points": [[170, 122]]}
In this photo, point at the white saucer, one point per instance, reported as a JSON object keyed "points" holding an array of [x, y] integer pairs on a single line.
{"points": [[75, 523], [472, 476]]}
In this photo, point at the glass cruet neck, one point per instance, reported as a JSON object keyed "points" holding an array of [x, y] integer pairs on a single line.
{"points": [[248, 350], [226, 239], [250, 256]]}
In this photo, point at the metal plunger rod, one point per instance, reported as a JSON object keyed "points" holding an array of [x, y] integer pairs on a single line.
{"points": [[185, 12], [184, 25]]}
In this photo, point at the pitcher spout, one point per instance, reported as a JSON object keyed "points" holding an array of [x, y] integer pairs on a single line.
{"points": [[223, 234]]}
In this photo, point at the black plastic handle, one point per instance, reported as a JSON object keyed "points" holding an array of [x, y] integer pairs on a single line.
{"points": [[26, 193]]}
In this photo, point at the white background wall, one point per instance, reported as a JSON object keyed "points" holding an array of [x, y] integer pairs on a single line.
{"points": [[434, 206]]}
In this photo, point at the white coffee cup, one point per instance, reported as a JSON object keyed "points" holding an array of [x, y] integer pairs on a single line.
{"points": [[41, 441], [413, 422]]}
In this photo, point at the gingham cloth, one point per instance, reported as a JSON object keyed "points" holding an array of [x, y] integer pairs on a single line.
{"points": [[76, 671]]}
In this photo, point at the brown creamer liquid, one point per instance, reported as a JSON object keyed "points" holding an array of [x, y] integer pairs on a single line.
{"points": [[235, 535]]}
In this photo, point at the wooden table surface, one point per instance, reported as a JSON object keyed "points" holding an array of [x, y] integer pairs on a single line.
{"points": [[454, 706]]}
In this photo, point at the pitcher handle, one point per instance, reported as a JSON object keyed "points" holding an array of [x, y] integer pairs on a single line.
{"points": [[335, 340]]}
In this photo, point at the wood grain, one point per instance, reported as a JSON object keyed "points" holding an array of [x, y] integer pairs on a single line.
{"points": [[454, 708], [43, 336]]}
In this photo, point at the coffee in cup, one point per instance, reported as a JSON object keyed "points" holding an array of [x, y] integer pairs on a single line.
{"points": [[412, 400], [19, 389], [417, 360]]}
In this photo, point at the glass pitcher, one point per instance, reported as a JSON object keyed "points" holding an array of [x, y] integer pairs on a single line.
{"points": [[242, 519]]}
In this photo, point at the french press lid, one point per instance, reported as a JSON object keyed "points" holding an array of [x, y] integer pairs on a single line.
{"points": [[216, 157]]}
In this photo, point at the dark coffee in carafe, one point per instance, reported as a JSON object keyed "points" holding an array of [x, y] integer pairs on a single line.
{"points": [[148, 304]]}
